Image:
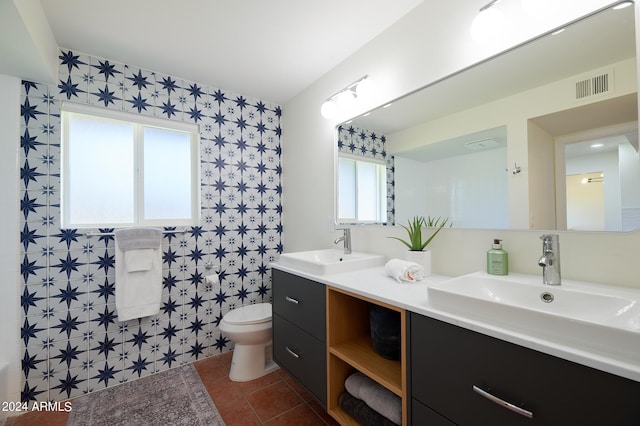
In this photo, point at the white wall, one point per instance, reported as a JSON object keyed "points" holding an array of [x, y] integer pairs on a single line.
{"points": [[410, 190], [470, 189], [585, 204], [630, 190], [629, 160], [542, 194], [431, 42], [9, 226], [607, 163]]}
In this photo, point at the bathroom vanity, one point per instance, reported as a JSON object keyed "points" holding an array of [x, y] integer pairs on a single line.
{"points": [[458, 374], [322, 365], [299, 331], [452, 370]]}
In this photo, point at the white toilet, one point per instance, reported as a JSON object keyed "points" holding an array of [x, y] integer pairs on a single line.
{"points": [[249, 327]]}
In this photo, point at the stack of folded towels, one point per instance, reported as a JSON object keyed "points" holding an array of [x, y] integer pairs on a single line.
{"points": [[370, 403], [403, 270]]}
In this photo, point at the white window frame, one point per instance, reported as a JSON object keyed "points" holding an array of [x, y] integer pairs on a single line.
{"points": [[381, 191], [139, 122]]}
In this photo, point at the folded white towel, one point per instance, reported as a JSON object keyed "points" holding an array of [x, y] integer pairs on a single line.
{"points": [[376, 396], [402, 270], [138, 273], [138, 238], [138, 260]]}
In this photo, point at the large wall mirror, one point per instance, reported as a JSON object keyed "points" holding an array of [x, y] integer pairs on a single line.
{"points": [[543, 136]]}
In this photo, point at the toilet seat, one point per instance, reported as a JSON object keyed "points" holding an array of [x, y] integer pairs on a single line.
{"points": [[249, 314]]}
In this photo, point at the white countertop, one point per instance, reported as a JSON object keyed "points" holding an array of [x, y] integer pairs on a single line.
{"points": [[375, 284]]}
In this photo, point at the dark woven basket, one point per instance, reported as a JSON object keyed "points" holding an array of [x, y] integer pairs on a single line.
{"points": [[385, 331]]}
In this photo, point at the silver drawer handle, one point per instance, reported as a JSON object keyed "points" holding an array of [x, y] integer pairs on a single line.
{"points": [[502, 402], [292, 300], [293, 354]]}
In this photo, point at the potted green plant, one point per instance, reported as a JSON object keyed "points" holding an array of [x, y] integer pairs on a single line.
{"points": [[416, 244]]}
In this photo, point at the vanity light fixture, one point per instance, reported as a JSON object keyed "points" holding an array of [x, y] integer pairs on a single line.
{"points": [[345, 98], [329, 109], [488, 5], [365, 88], [488, 24], [593, 180]]}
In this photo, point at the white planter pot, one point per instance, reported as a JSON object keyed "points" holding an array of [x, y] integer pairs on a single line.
{"points": [[421, 258]]}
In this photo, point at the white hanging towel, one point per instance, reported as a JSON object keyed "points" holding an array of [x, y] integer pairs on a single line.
{"points": [[138, 272]]}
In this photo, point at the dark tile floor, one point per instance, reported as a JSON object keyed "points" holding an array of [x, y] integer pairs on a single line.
{"points": [[274, 399]]}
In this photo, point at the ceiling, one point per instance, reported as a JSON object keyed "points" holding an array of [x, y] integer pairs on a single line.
{"points": [[271, 50]]}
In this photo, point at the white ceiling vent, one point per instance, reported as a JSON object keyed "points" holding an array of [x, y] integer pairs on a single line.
{"points": [[595, 85], [481, 144]]}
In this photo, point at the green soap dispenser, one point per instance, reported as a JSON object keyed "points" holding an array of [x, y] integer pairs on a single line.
{"points": [[497, 259]]}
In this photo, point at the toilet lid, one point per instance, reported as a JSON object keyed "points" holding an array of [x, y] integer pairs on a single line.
{"points": [[249, 314]]}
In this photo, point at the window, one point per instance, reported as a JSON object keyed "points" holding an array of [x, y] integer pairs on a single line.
{"points": [[362, 190], [122, 169]]}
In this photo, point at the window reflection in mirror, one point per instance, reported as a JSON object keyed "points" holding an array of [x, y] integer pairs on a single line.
{"points": [[362, 188], [365, 178]]}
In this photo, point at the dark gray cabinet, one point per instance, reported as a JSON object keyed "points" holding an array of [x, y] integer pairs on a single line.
{"points": [[423, 415], [299, 330], [460, 377]]}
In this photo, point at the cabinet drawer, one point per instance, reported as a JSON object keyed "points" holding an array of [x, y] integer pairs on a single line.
{"points": [[303, 356], [301, 301], [423, 415], [448, 361]]}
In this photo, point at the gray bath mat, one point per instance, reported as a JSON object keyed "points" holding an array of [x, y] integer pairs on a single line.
{"points": [[173, 397]]}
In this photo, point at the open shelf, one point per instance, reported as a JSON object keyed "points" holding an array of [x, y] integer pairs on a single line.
{"points": [[343, 417], [349, 349], [360, 354]]}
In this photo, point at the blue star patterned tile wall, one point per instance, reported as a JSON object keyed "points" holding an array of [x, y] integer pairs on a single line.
{"points": [[72, 342]]}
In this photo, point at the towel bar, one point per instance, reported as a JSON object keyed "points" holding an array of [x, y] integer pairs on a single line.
{"points": [[100, 234]]}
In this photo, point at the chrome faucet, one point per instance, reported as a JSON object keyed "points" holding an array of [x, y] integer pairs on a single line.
{"points": [[550, 259], [347, 240]]}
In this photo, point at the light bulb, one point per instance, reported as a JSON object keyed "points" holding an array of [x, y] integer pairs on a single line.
{"points": [[488, 25], [345, 100], [365, 88], [329, 109]]}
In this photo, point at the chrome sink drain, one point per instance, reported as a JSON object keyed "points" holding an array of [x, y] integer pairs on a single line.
{"points": [[546, 297]]}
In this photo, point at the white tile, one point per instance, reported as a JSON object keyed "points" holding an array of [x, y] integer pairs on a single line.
{"points": [[90, 262]]}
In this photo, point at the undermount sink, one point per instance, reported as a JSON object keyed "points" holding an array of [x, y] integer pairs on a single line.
{"points": [[330, 261], [594, 317]]}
